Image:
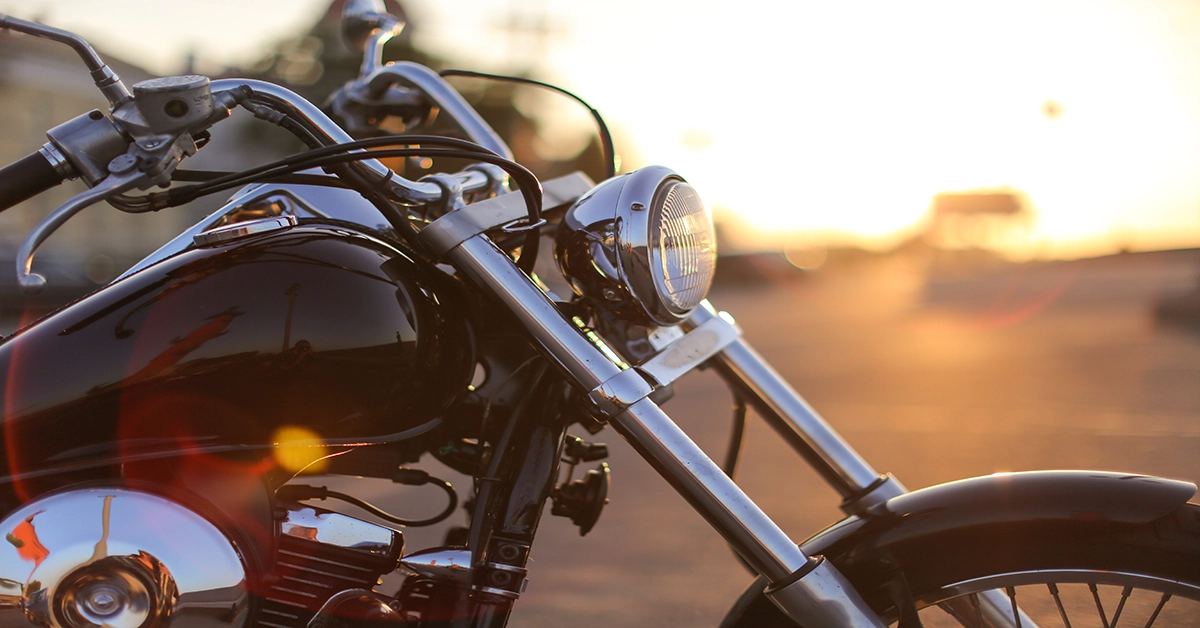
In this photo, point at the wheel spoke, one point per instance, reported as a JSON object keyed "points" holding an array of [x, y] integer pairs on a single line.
{"points": [[1161, 604], [1121, 605], [975, 610], [1065, 601], [1058, 601], [1012, 595], [1099, 606]]}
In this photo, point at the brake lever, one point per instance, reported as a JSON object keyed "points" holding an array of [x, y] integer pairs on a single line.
{"points": [[112, 185]]}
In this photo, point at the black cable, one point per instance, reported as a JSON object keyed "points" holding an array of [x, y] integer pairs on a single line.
{"points": [[325, 154], [302, 492], [738, 435], [279, 112], [525, 179], [376, 142], [179, 196], [734, 452], [606, 143], [204, 176]]}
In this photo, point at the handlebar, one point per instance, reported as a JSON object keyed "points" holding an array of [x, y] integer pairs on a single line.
{"points": [[129, 123], [27, 177], [444, 96], [415, 192]]}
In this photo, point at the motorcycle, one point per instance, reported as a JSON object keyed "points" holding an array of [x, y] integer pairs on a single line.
{"points": [[335, 317]]}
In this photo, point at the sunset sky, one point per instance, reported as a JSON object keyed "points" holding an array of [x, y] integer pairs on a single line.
{"points": [[838, 121]]}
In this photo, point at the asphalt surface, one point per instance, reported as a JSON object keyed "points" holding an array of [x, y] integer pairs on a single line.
{"points": [[933, 375]]}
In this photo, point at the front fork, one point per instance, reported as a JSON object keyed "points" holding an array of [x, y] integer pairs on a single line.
{"points": [[809, 589], [860, 486]]}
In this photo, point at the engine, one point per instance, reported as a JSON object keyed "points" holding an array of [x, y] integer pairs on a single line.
{"points": [[124, 558], [322, 554]]}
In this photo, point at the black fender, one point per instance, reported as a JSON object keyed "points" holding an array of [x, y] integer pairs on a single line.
{"points": [[1067, 503]]}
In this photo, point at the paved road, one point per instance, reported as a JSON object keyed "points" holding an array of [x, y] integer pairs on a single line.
{"points": [[1051, 366]]}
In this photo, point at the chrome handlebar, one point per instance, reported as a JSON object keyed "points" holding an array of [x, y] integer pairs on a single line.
{"points": [[412, 192], [155, 145], [438, 189], [444, 96]]}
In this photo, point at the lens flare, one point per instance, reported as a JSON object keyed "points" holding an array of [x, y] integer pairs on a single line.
{"points": [[299, 449]]}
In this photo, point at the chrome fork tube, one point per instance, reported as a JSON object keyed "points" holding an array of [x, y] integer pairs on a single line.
{"points": [[810, 590], [799, 424], [809, 435], [678, 459]]}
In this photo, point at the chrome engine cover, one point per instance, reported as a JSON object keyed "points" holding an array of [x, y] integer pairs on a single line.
{"points": [[118, 558]]}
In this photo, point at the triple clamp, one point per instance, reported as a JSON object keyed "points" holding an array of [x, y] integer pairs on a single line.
{"points": [[673, 361]]}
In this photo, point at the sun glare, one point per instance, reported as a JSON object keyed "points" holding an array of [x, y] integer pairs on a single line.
{"points": [[846, 119], [838, 119]]}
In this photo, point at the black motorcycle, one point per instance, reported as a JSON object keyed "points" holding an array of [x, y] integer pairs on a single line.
{"points": [[337, 318]]}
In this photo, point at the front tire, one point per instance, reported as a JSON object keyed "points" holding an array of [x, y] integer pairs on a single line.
{"points": [[1060, 573]]}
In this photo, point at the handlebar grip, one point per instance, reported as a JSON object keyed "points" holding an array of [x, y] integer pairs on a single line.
{"points": [[22, 179]]}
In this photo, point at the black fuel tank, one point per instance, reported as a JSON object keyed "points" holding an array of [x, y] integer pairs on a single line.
{"points": [[318, 326]]}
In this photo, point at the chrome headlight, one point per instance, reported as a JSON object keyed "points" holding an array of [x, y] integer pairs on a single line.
{"points": [[641, 245]]}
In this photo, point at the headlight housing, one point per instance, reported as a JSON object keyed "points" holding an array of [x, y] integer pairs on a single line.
{"points": [[641, 245]]}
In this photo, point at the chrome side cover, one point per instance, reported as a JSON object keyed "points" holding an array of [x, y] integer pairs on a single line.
{"points": [[117, 558], [338, 530]]}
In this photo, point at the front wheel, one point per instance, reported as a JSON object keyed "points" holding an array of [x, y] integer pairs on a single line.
{"points": [[1059, 573]]}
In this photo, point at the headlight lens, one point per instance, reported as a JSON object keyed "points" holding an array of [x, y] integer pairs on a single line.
{"points": [[641, 245], [684, 248]]}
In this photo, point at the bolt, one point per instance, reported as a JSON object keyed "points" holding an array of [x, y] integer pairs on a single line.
{"points": [[637, 207], [509, 552], [102, 600], [610, 294], [501, 578]]}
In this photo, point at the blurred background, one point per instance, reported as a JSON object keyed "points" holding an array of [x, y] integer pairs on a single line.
{"points": [[1051, 130], [966, 231]]}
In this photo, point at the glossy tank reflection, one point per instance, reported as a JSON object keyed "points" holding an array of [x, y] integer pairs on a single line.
{"points": [[318, 327]]}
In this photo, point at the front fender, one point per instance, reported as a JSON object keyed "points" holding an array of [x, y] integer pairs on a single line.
{"points": [[1028, 503]]}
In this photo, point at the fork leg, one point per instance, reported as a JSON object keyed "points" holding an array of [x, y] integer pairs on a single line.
{"points": [[860, 485], [810, 590]]}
